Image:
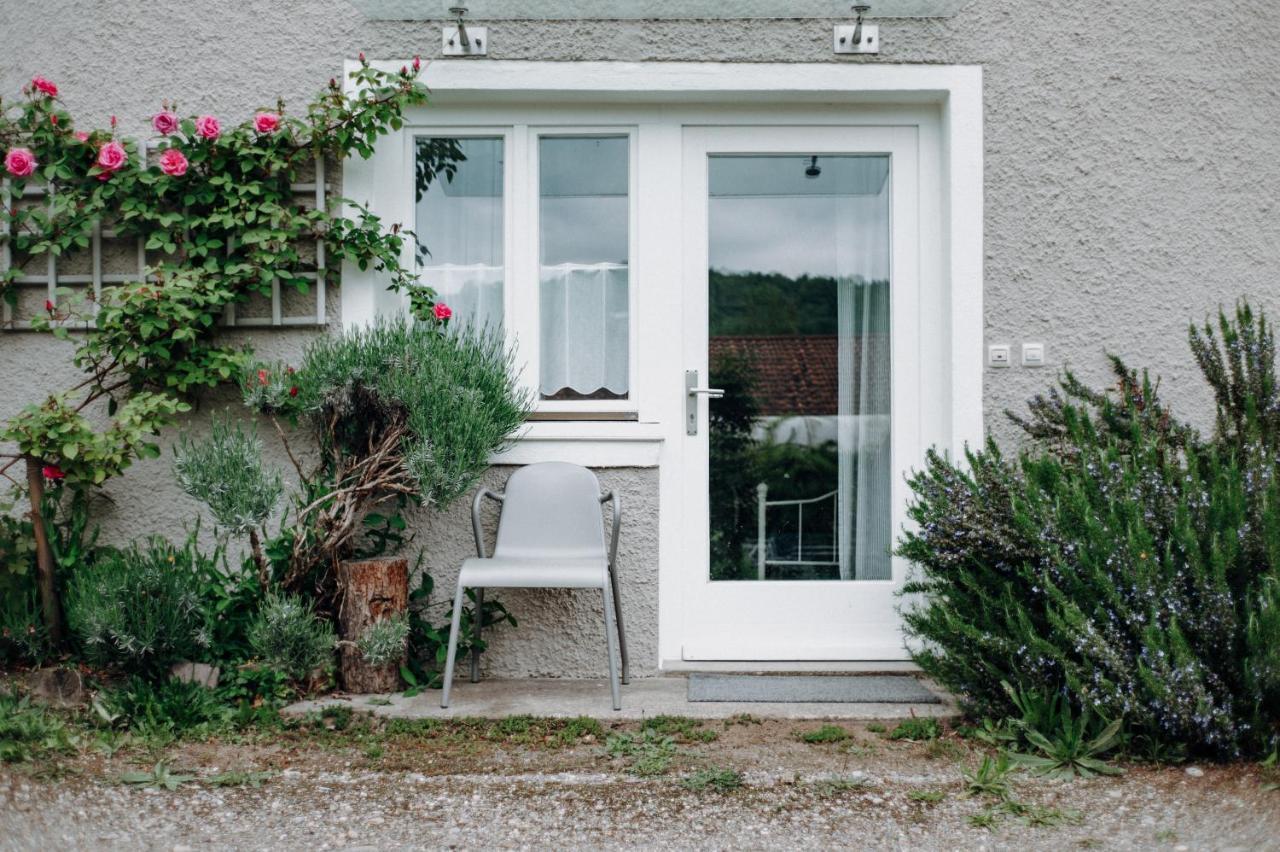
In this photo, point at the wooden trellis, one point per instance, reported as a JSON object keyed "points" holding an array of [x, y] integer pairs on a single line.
{"points": [[96, 278]]}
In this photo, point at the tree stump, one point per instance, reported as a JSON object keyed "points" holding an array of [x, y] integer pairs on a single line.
{"points": [[369, 590]]}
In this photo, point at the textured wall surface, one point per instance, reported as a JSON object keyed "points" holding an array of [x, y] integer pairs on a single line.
{"points": [[1132, 175]]}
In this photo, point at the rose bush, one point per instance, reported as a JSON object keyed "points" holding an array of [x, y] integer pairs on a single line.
{"points": [[215, 205]]}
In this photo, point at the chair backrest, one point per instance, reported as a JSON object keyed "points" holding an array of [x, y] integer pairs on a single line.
{"points": [[551, 509]]}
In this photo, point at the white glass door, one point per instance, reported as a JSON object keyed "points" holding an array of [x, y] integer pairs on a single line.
{"points": [[801, 333]]}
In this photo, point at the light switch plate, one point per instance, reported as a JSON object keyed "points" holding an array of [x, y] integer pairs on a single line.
{"points": [[870, 42], [1033, 354], [999, 354]]}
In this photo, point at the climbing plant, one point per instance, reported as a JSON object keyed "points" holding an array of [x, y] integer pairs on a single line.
{"points": [[214, 205]]}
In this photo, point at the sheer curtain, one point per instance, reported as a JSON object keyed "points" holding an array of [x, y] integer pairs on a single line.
{"points": [[460, 233], [584, 218], [584, 329]]}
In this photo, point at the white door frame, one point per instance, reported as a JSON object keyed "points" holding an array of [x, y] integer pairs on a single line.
{"points": [[659, 99]]}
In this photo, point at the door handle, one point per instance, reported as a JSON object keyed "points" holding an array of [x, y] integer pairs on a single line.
{"points": [[692, 392]]}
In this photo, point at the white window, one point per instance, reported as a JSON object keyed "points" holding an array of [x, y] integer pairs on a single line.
{"points": [[531, 230]]}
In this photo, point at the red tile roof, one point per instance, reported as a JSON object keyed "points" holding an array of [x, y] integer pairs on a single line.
{"points": [[799, 374]]}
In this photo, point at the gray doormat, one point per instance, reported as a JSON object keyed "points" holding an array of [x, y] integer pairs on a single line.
{"points": [[826, 689]]}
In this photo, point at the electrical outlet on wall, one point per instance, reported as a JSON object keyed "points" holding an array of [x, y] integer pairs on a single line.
{"points": [[999, 355], [1033, 354]]}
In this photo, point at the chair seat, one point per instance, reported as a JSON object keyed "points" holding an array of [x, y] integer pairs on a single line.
{"points": [[529, 573]]}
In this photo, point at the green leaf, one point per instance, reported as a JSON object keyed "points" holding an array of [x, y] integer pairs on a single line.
{"points": [[70, 451]]}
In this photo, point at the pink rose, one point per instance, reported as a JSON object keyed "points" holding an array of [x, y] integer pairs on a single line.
{"points": [[208, 127], [112, 157], [19, 162], [164, 122], [266, 122], [442, 311], [40, 84], [52, 471], [81, 136], [173, 163]]}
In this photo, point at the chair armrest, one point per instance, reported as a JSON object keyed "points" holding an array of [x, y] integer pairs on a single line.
{"points": [[475, 516], [612, 498]]}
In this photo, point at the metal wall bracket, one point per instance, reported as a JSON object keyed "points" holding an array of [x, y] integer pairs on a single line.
{"points": [[464, 41], [869, 41]]}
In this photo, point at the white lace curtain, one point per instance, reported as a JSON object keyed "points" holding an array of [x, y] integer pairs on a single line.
{"points": [[473, 291], [584, 329]]}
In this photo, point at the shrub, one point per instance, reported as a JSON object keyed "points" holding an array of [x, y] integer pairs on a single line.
{"points": [[142, 608], [288, 637], [164, 708], [225, 473], [1121, 560], [384, 641]]}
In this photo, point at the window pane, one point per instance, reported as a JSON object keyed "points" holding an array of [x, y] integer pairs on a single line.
{"points": [[584, 213], [460, 226], [799, 337]]}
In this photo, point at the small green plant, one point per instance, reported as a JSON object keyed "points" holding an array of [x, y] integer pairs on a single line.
{"points": [[743, 719], [1075, 747], [917, 729], [384, 641], [649, 752], [161, 710], [823, 735], [30, 733], [719, 780], [927, 797], [876, 728], [1166, 835], [987, 818], [159, 777], [683, 728], [239, 778], [290, 638], [142, 608], [990, 778], [225, 473]]}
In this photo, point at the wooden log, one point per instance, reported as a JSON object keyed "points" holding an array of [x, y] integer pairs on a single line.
{"points": [[369, 590]]}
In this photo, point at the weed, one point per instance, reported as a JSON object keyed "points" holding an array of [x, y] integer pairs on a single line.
{"points": [[743, 719], [650, 753], [834, 786], [1166, 835], [987, 818], [373, 751], [917, 729], [379, 702], [991, 778], [163, 711], [928, 797], [876, 728], [825, 734], [336, 717], [1070, 750], [683, 728], [159, 777], [29, 733], [720, 780], [943, 749], [1036, 816], [239, 778]]}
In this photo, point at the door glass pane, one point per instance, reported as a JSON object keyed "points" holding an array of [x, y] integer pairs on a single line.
{"points": [[459, 225], [584, 216], [799, 340]]}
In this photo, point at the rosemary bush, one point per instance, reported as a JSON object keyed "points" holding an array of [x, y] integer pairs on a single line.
{"points": [[290, 638], [1123, 561], [385, 641], [143, 608], [225, 473]]}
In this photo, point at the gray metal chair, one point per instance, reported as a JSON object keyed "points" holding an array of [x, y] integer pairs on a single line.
{"points": [[550, 535]]}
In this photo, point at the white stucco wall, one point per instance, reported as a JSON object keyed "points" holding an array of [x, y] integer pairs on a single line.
{"points": [[1132, 177]]}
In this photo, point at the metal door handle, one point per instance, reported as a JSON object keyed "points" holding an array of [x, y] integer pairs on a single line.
{"points": [[692, 392]]}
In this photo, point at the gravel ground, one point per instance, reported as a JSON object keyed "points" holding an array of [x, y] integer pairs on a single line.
{"points": [[382, 791]]}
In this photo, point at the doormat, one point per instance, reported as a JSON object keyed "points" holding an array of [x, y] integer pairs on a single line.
{"points": [[824, 689]]}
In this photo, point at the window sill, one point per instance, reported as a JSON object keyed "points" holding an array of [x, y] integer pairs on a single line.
{"points": [[601, 443]]}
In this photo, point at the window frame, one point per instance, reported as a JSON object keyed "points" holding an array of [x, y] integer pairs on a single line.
{"points": [[521, 281]]}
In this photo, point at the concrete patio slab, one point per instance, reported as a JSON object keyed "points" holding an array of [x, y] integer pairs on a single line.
{"points": [[495, 699]]}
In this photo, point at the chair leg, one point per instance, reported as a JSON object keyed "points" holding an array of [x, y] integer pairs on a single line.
{"points": [[609, 645], [479, 627], [453, 645], [622, 634]]}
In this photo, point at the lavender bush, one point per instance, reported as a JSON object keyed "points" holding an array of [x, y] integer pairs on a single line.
{"points": [[1122, 561]]}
